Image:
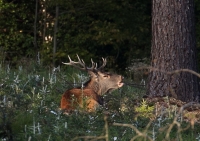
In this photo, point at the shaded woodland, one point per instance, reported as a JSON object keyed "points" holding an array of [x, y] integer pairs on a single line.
{"points": [[38, 35], [51, 30]]}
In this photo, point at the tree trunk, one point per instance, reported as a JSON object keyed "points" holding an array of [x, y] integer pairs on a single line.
{"points": [[35, 28], [173, 48], [54, 36], [44, 12]]}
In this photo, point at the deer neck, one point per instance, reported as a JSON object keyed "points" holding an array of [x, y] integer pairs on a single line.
{"points": [[96, 87]]}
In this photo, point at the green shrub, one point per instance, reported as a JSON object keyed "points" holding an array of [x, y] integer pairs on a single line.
{"points": [[30, 99]]}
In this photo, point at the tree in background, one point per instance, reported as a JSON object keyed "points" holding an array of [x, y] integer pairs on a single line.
{"points": [[90, 28], [16, 22], [173, 48], [104, 28]]}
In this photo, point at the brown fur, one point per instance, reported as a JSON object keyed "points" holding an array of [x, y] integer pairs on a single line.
{"points": [[73, 98], [89, 96]]}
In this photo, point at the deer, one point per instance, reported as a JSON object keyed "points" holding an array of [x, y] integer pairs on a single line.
{"points": [[90, 94]]}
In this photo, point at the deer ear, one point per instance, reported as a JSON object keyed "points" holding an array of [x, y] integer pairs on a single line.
{"points": [[99, 73], [92, 74]]}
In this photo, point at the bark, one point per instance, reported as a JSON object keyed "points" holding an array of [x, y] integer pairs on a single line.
{"points": [[55, 33], [173, 48], [44, 21], [35, 28]]}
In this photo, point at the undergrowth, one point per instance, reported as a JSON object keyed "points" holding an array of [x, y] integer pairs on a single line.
{"points": [[30, 98]]}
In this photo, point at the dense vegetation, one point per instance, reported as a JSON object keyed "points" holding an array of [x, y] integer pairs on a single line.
{"points": [[30, 110], [30, 87], [30, 98], [119, 30]]}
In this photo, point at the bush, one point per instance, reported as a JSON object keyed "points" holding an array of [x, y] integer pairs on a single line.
{"points": [[30, 98]]}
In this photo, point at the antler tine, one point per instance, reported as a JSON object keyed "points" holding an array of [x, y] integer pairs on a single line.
{"points": [[81, 64], [104, 64], [69, 58], [69, 61], [73, 63], [80, 60], [93, 65]]}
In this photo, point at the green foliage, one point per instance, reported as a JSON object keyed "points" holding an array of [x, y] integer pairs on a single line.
{"points": [[90, 28], [145, 110], [16, 38], [30, 98], [103, 28], [119, 30]]}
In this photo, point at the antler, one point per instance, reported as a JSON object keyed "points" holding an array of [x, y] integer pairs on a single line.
{"points": [[81, 64], [104, 63]]}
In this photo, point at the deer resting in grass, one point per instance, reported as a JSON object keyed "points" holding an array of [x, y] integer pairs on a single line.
{"points": [[100, 82]]}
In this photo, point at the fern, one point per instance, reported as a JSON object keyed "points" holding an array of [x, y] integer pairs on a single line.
{"points": [[144, 109]]}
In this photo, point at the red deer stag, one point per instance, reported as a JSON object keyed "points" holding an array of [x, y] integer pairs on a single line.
{"points": [[99, 83]]}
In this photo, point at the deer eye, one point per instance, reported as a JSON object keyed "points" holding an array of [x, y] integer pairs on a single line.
{"points": [[106, 76]]}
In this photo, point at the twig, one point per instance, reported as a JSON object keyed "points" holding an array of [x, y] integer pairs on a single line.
{"points": [[94, 138], [170, 72], [139, 134], [175, 122]]}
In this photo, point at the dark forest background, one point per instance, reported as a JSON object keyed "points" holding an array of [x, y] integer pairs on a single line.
{"points": [[38, 35], [47, 31]]}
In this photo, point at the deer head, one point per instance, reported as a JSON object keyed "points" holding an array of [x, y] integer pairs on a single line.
{"points": [[100, 82]]}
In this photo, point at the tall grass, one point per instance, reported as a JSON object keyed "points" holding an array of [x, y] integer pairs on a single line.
{"points": [[30, 98]]}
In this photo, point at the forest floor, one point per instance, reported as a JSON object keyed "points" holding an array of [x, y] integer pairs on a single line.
{"points": [[30, 98]]}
